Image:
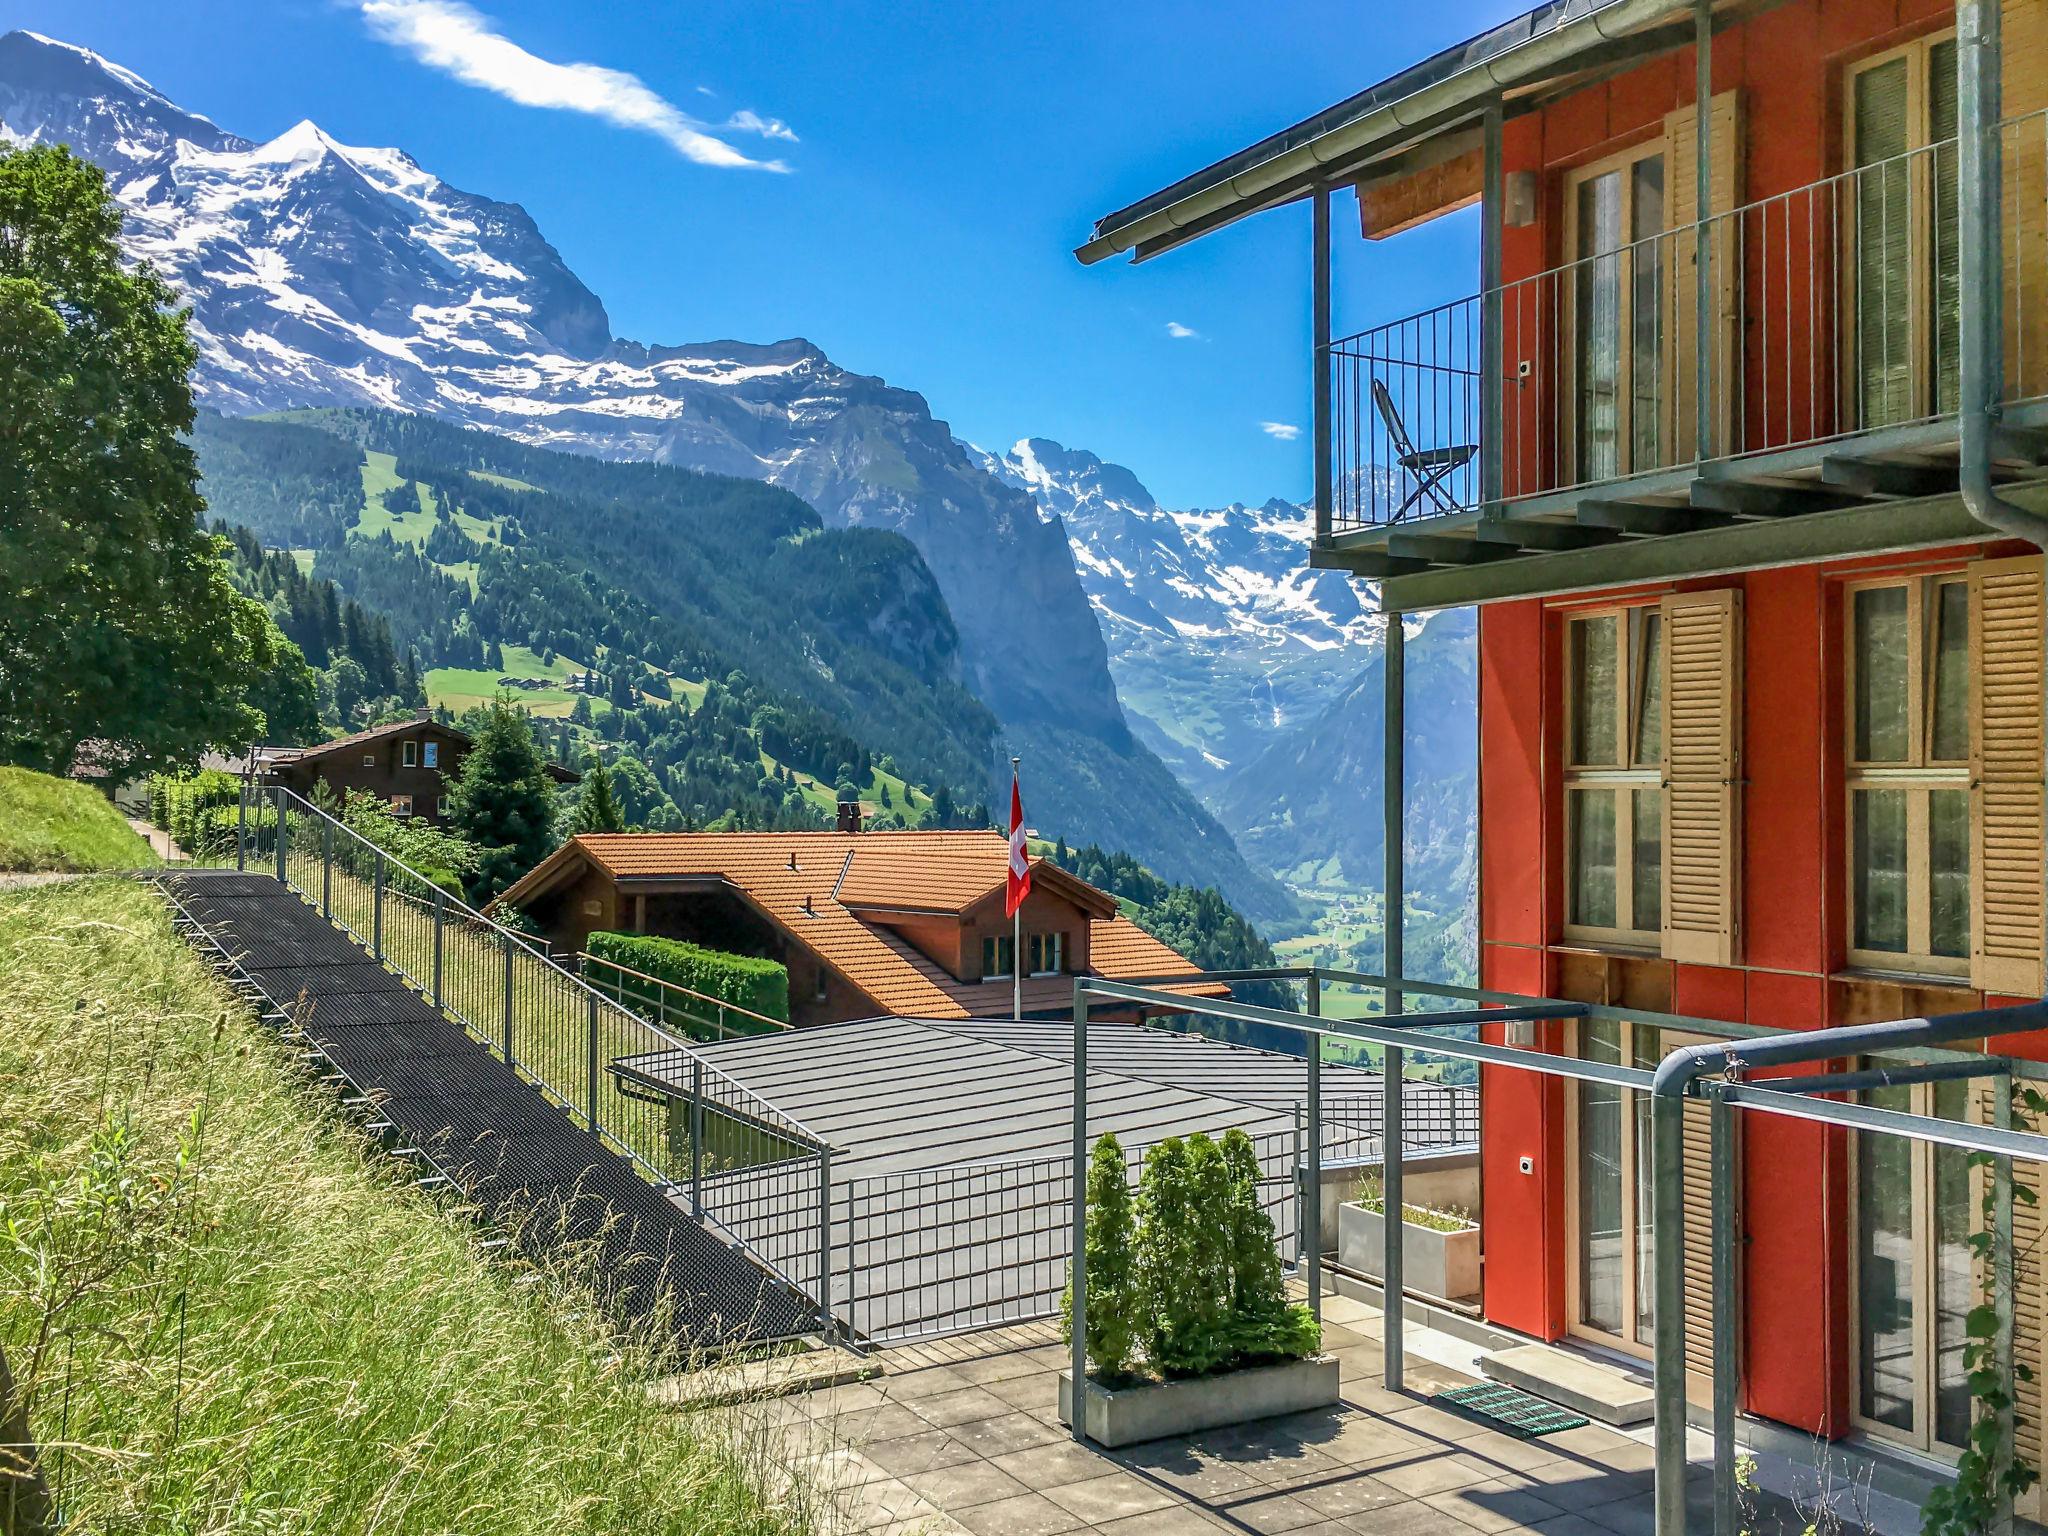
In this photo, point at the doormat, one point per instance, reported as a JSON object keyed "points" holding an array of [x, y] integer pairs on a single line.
{"points": [[1509, 1409]]}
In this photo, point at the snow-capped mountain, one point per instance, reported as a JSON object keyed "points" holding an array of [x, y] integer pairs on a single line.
{"points": [[323, 274], [1220, 636]]}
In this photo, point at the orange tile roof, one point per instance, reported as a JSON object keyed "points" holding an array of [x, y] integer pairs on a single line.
{"points": [[815, 885]]}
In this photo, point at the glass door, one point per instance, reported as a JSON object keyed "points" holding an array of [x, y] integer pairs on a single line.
{"points": [[1611, 1198], [1617, 214], [1914, 1281]]}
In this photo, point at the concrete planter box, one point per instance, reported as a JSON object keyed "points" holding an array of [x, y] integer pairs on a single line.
{"points": [[1442, 1264], [1154, 1410]]}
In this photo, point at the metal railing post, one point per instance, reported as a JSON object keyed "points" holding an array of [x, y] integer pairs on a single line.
{"points": [[825, 1321], [1393, 794], [440, 923], [1667, 1217], [2002, 1293], [591, 1064], [1300, 1196], [242, 826], [377, 907], [697, 1138], [1322, 428], [1727, 1258], [277, 838], [1492, 365], [327, 869], [1078, 1267], [505, 943], [1312, 1207]]}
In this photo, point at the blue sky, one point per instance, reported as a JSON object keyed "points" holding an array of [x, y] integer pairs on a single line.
{"points": [[945, 160]]}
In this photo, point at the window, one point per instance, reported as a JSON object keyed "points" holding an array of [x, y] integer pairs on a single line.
{"points": [[411, 754], [1616, 211], [430, 754], [401, 805], [1914, 1284], [1614, 797], [369, 759], [1048, 953], [821, 986], [1904, 262], [441, 807], [1908, 688], [998, 958]]}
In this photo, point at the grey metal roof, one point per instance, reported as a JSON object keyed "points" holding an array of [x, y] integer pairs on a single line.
{"points": [[1457, 77]]}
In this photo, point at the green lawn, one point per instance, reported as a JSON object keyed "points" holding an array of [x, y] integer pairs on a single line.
{"points": [[56, 824], [463, 688], [234, 1317]]}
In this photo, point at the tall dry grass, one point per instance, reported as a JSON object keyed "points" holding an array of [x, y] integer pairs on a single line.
{"points": [[224, 1314]]}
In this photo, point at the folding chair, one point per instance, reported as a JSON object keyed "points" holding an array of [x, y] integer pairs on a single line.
{"points": [[1429, 467]]}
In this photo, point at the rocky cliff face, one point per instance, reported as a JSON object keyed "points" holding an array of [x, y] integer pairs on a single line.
{"points": [[325, 274]]}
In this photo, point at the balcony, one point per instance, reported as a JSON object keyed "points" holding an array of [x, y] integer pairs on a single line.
{"points": [[1831, 375]]}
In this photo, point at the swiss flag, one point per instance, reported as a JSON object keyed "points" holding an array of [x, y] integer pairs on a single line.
{"points": [[1020, 860]]}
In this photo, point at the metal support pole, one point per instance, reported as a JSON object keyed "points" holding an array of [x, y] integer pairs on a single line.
{"points": [[2003, 1291], [277, 837], [1667, 1176], [590, 1063], [1312, 1207], [1703, 241], [1727, 1249], [242, 826], [1079, 1268], [697, 1138], [440, 923], [1980, 179], [505, 943], [1300, 1197], [1323, 428], [825, 1323], [1492, 366], [1393, 795], [327, 869], [377, 907]]}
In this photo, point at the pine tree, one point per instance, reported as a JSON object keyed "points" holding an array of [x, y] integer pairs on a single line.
{"points": [[503, 800], [1115, 1323], [597, 809]]}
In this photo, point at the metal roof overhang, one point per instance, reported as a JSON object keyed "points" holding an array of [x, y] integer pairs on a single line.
{"points": [[1555, 40]]}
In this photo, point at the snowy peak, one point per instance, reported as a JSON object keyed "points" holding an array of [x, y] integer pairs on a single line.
{"points": [[55, 92]]}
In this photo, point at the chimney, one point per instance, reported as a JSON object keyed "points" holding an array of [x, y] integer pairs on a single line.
{"points": [[849, 816]]}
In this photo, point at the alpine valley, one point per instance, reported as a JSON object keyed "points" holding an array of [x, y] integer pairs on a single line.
{"points": [[1193, 694]]}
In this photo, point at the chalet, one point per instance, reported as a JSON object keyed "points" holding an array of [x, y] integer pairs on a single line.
{"points": [[873, 923], [1738, 448], [407, 764]]}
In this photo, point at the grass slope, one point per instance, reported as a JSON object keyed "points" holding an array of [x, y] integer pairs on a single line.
{"points": [[48, 823], [231, 1317]]}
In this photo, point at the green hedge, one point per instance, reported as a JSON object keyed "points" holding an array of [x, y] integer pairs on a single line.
{"points": [[200, 811], [761, 986]]}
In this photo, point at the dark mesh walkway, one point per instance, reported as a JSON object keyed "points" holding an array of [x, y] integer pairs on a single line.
{"points": [[493, 1134]]}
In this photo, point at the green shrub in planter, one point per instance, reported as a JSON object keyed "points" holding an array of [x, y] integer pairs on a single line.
{"points": [[1114, 1304], [1181, 1258], [1261, 1320]]}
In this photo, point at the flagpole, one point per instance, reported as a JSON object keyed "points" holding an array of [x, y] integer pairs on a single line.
{"points": [[1016, 932]]}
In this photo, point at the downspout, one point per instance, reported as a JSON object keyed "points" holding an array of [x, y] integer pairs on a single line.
{"points": [[1980, 212]]}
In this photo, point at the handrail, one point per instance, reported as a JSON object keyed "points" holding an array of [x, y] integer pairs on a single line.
{"points": [[585, 957]]}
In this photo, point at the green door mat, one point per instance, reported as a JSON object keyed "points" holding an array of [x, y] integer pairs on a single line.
{"points": [[1508, 1409]]}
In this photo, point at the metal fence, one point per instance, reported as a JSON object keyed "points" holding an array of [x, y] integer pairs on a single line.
{"points": [[566, 1038], [1833, 311], [671, 1006]]}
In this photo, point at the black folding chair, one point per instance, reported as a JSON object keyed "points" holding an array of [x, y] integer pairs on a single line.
{"points": [[1429, 467]]}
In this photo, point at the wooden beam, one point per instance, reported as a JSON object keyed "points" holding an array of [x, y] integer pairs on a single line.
{"points": [[1440, 549], [1364, 562], [1524, 534], [1762, 498], [1648, 519], [1888, 477], [1389, 205]]}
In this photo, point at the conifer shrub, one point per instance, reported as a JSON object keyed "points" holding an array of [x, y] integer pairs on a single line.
{"points": [[1115, 1312]]}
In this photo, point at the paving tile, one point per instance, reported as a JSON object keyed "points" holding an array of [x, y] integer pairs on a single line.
{"points": [[1196, 1475], [1000, 1367], [1367, 1437], [886, 1502], [1110, 1497], [1054, 1465], [1041, 1390], [1496, 1506], [851, 1398], [930, 1525], [1268, 1511], [946, 1409], [934, 1379], [964, 1485], [1008, 1432], [1437, 1472], [884, 1423], [1569, 1524], [1178, 1520], [925, 1451], [1412, 1519], [1349, 1492], [1028, 1514]]}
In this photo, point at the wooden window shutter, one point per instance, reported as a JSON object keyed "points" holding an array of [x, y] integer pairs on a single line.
{"points": [[2006, 897], [1682, 259], [1702, 775]]}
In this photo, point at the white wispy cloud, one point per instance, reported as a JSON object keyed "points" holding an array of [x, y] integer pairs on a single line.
{"points": [[450, 36], [1286, 431], [1181, 332]]}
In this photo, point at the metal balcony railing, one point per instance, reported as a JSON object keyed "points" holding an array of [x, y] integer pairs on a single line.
{"points": [[1833, 313]]}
